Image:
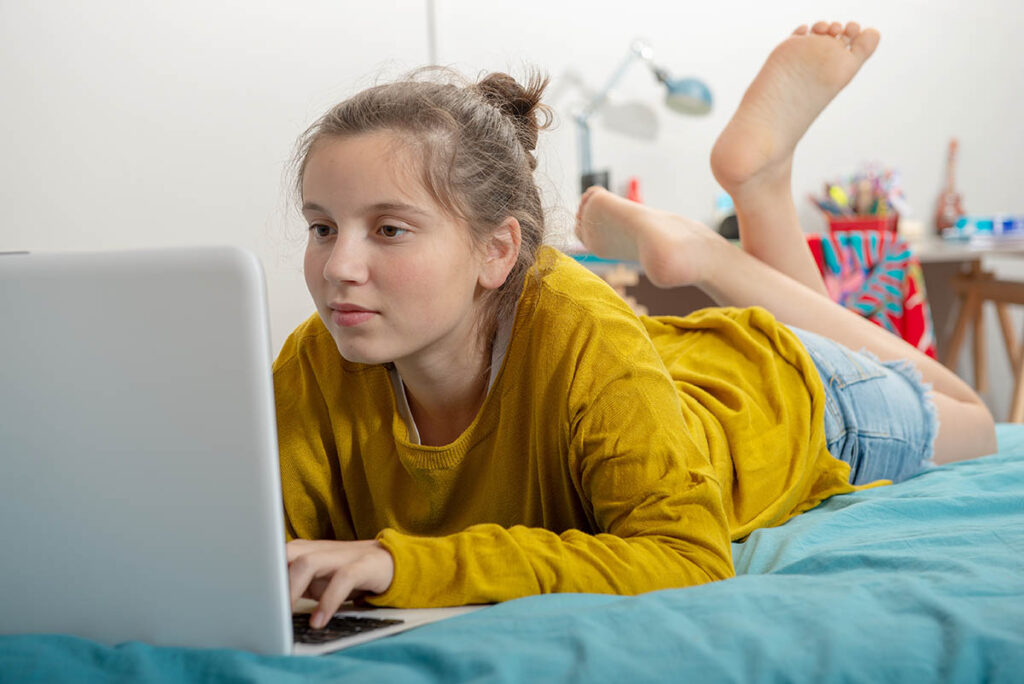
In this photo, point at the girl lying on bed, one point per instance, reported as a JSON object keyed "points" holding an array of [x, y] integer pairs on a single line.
{"points": [[473, 417]]}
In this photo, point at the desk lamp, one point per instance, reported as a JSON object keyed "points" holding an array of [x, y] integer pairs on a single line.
{"points": [[683, 95]]}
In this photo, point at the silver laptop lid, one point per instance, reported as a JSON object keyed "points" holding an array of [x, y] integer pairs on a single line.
{"points": [[139, 479]]}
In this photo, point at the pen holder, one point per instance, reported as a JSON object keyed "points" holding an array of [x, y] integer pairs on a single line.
{"points": [[882, 224]]}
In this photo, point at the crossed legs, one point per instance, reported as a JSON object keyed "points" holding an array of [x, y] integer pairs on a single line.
{"points": [[752, 160]]}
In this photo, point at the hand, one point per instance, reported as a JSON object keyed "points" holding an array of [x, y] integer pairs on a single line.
{"points": [[330, 571]]}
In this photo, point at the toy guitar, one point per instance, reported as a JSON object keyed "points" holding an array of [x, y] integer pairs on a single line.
{"points": [[950, 205]]}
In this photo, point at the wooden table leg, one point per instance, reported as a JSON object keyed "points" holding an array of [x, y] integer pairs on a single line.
{"points": [[971, 314], [956, 340], [1009, 337], [980, 350], [969, 303], [1017, 405], [973, 289], [1017, 361]]}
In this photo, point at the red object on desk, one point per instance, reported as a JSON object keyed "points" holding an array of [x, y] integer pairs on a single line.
{"points": [[633, 190], [883, 224]]}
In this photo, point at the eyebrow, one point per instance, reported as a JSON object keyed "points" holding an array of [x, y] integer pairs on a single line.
{"points": [[379, 206]]}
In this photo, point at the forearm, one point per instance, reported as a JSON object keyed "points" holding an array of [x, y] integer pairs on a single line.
{"points": [[489, 564], [733, 277]]}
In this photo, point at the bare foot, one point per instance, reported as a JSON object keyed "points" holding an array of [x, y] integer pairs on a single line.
{"points": [[672, 250], [799, 78]]}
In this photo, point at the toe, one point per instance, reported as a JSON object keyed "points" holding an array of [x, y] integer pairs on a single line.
{"points": [[835, 28], [849, 33], [801, 30], [820, 28], [587, 195], [865, 43], [578, 228]]}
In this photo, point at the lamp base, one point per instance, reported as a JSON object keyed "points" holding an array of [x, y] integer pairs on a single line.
{"points": [[601, 178]]}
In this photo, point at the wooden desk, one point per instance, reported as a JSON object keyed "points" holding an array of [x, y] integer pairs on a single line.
{"points": [[962, 290], [934, 250]]}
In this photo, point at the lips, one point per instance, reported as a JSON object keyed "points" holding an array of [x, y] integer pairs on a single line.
{"points": [[350, 315]]}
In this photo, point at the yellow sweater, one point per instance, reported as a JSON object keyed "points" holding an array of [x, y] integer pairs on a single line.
{"points": [[612, 454]]}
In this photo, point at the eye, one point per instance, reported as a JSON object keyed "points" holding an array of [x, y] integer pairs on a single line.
{"points": [[392, 231], [320, 230]]}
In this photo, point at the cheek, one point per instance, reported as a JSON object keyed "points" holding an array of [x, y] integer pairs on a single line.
{"points": [[313, 269], [431, 284], [411, 285]]}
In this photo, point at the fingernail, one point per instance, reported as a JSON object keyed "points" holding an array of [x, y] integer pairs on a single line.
{"points": [[319, 620]]}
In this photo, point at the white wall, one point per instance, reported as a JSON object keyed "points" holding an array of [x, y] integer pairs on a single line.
{"points": [[944, 68], [131, 124], [128, 124]]}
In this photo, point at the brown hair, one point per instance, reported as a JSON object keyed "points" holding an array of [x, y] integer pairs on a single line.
{"points": [[475, 144]]}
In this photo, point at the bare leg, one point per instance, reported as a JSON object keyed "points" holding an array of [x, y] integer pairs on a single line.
{"points": [[966, 426], [677, 251], [753, 156]]}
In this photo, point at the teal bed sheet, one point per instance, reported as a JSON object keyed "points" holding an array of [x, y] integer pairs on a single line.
{"points": [[917, 582]]}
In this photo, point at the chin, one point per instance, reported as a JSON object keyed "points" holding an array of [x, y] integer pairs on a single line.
{"points": [[352, 349], [353, 354]]}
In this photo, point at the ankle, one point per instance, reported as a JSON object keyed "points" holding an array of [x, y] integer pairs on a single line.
{"points": [[770, 185], [720, 260]]}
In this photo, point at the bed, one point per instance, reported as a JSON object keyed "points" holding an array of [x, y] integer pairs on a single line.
{"points": [[918, 582]]}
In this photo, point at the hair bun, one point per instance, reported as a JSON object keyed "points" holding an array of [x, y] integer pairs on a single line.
{"points": [[520, 103]]}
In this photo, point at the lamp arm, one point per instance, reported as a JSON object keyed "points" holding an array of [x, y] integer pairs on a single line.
{"points": [[638, 50], [583, 140]]}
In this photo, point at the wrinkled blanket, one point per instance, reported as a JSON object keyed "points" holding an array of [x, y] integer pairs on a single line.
{"points": [[922, 581]]}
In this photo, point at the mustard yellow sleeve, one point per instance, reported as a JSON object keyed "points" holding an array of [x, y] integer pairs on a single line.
{"points": [[647, 488], [313, 497]]}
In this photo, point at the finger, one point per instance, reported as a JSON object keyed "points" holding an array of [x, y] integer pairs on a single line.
{"points": [[296, 548], [316, 588], [578, 226], [299, 547], [336, 593], [301, 573]]}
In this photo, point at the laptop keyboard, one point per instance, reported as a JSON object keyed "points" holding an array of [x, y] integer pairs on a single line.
{"points": [[337, 628]]}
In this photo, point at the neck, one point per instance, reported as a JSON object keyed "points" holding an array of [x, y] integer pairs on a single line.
{"points": [[444, 397]]}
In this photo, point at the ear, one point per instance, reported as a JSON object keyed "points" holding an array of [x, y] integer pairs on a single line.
{"points": [[500, 254]]}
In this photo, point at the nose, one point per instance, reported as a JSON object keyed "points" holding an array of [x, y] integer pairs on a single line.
{"points": [[348, 262]]}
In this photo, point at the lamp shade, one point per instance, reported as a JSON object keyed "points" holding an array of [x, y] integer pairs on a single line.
{"points": [[687, 96]]}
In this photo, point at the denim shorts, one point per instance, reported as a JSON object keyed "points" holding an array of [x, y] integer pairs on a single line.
{"points": [[879, 415]]}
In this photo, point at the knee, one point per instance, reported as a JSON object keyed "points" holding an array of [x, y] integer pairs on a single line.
{"points": [[987, 432], [966, 430], [983, 429]]}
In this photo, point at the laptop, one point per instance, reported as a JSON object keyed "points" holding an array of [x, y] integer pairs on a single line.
{"points": [[140, 495]]}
